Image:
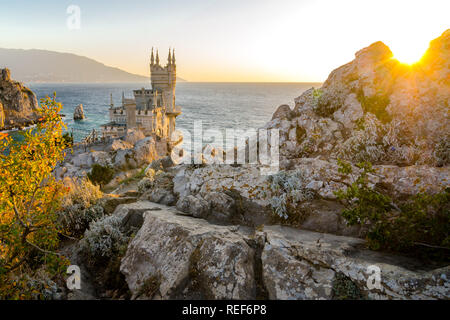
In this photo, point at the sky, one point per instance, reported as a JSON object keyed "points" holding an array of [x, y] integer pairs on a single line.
{"points": [[226, 40]]}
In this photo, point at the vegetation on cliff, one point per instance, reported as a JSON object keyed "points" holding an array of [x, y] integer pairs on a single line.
{"points": [[418, 224], [29, 200]]}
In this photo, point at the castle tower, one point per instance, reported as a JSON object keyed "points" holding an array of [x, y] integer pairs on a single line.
{"points": [[164, 80]]}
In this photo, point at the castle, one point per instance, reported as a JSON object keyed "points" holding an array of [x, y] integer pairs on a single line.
{"points": [[152, 111]]}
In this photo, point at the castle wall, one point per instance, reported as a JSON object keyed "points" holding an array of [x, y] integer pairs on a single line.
{"points": [[131, 115]]}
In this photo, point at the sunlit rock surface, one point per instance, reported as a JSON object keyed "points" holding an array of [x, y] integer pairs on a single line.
{"points": [[18, 104]]}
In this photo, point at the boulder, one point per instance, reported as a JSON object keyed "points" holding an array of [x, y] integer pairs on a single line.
{"points": [[111, 202], [145, 151], [82, 160], [78, 113], [282, 112], [194, 206], [101, 157], [177, 257], [299, 264], [118, 144], [124, 159], [160, 195], [133, 135]]}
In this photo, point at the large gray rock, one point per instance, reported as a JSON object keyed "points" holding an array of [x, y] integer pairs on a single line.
{"points": [[173, 256], [178, 257], [133, 135], [118, 144], [194, 206], [299, 264], [145, 151], [124, 159], [82, 160], [282, 112]]}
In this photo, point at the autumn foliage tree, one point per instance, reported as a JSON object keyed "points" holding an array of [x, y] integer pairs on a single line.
{"points": [[29, 194]]}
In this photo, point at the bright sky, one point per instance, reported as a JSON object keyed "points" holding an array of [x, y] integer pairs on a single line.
{"points": [[227, 40]]}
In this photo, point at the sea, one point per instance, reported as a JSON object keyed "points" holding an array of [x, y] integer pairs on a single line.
{"points": [[218, 105]]}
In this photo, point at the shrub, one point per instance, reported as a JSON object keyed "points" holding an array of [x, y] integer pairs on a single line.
{"points": [[364, 144], [101, 175], [418, 224], [104, 238], [326, 103], [442, 152], [29, 195], [345, 289], [36, 286], [75, 219], [145, 184], [375, 104], [81, 192], [287, 192], [68, 140], [80, 206]]}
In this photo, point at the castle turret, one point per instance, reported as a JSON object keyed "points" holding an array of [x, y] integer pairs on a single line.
{"points": [[152, 58], [164, 80]]}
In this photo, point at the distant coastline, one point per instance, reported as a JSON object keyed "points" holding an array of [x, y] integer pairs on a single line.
{"points": [[44, 66]]}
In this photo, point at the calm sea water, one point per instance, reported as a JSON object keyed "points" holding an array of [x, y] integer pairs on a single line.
{"points": [[218, 105]]}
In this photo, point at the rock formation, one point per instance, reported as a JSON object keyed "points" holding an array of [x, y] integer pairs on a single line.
{"points": [[210, 231], [18, 104], [78, 114], [188, 258], [374, 109]]}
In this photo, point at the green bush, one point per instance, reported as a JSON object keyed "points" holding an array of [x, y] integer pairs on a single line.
{"points": [[287, 192], [326, 103], [418, 225], [375, 104], [68, 139], [345, 289], [100, 175]]}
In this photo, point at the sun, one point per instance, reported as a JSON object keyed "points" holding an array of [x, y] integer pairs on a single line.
{"points": [[409, 52]]}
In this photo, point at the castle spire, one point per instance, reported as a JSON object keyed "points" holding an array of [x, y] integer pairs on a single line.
{"points": [[152, 58], [157, 57], [169, 58], [173, 56]]}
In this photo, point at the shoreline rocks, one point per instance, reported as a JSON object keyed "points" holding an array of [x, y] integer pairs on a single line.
{"points": [[18, 104], [78, 114]]}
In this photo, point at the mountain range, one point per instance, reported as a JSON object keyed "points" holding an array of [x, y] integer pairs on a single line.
{"points": [[49, 66]]}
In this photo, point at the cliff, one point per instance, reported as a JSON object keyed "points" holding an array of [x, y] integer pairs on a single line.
{"points": [[237, 234], [375, 109], [18, 104]]}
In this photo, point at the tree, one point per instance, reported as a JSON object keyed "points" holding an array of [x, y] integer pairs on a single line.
{"points": [[29, 193], [101, 175]]}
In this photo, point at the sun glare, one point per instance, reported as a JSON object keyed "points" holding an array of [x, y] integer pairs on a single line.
{"points": [[409, 53]]}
